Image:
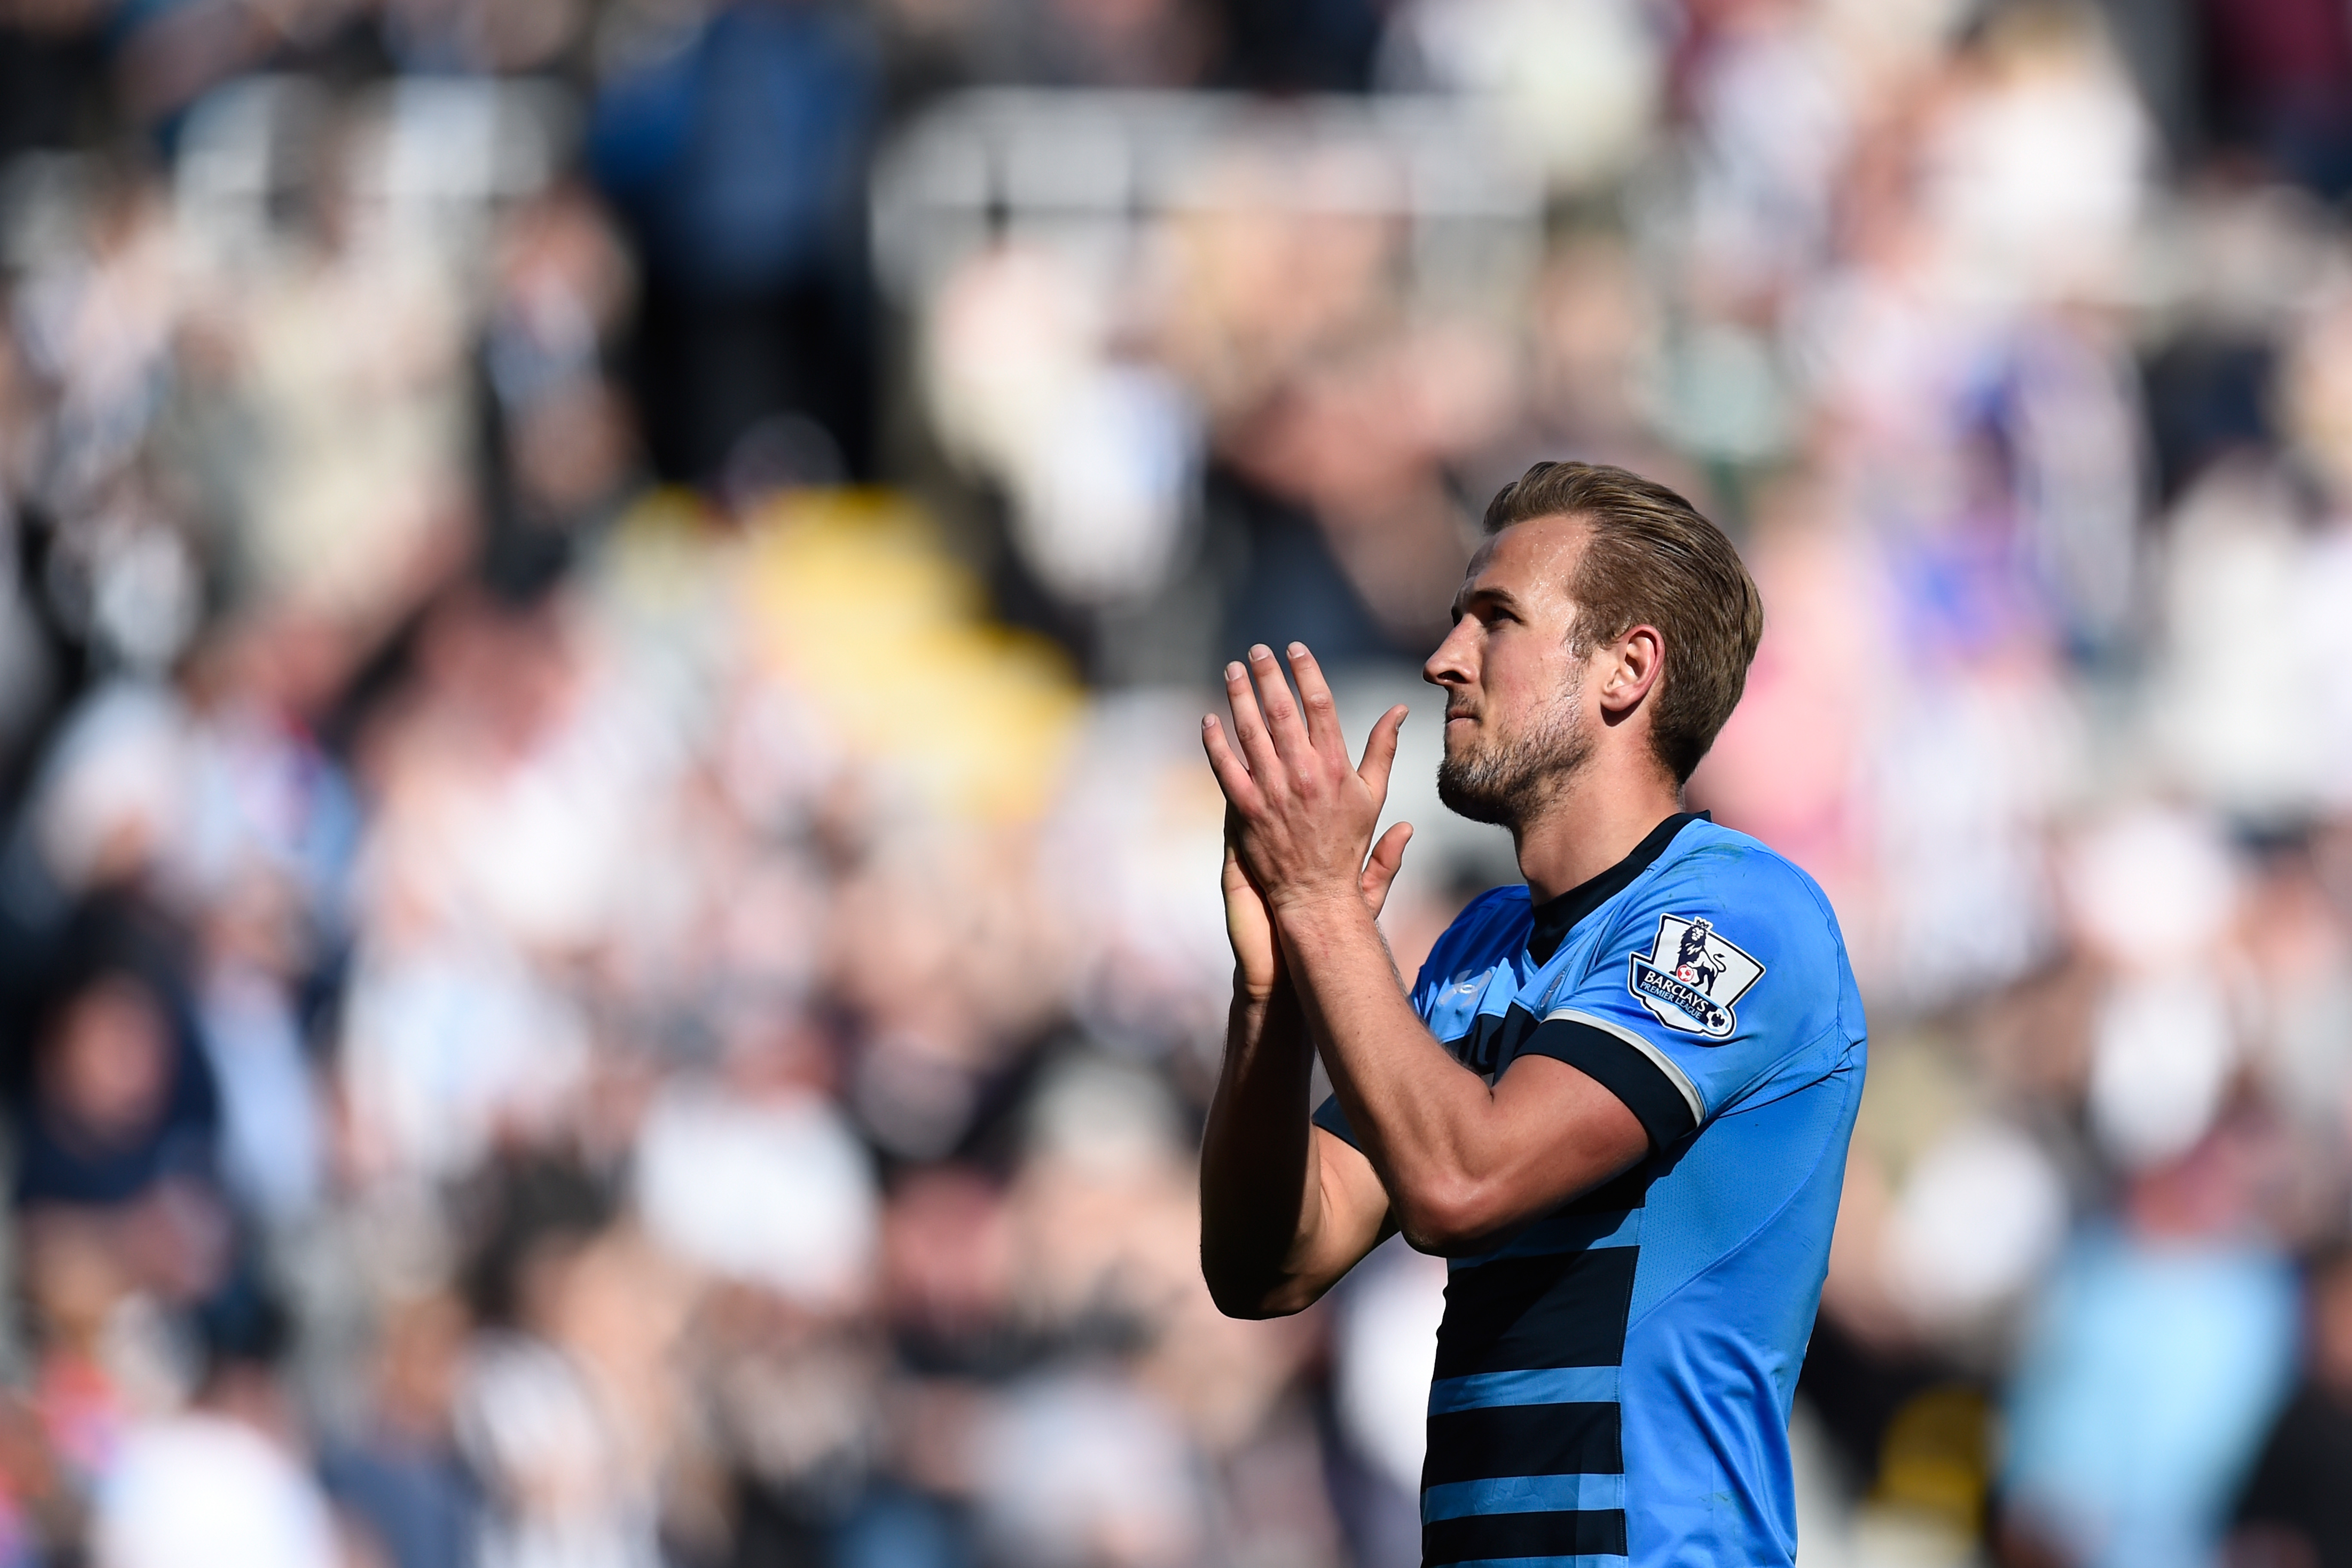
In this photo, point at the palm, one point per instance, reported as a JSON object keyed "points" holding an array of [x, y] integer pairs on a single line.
{"points": [[1257, 957]]}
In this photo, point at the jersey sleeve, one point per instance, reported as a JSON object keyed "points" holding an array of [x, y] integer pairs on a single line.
{"points": [[1710, 980], [1334, 1120]]}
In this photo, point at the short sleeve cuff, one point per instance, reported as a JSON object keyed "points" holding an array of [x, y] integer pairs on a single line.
{"points": [[1334, 1120], [1658, 1093]]}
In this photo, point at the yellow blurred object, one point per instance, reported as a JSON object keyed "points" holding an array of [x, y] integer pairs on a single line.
{"points": [[1936, 1458], [853, 597], [662, 558]]}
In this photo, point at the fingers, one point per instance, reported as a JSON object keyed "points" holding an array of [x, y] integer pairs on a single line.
{"points": [[1234, 829], [1282, 720], [1257, 747], [1322, 712], [1235, 877], [1237, 873], [1380, 750], [1381, 869], [1232, 773]]}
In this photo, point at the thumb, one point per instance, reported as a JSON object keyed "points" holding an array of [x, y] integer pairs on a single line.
{"points": [[1380, 750], [1380, 870]]}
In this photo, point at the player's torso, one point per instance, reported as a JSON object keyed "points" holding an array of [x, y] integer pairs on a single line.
{"points": [[1558, 1425]]}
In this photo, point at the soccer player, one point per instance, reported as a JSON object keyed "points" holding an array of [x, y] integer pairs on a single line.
{"points": [[1617, 1100]]}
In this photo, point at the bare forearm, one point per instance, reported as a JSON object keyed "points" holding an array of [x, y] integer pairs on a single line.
{"points": [[1451, 1158], [1258, 1156], [1430, 1126]]}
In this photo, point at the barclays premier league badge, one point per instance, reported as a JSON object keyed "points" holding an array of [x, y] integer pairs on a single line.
{"points": [[1692, 977]]}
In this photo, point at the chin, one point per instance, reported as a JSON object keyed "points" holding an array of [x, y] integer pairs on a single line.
{"points": [[1466, 799]]}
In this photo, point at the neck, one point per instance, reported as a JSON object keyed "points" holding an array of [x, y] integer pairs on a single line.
{"points": [[1592, 821]]}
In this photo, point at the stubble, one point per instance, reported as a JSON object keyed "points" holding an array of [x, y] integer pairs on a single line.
{"points": [[1507, 780]]}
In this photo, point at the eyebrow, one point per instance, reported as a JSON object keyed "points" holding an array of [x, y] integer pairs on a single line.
{"points": [[1500, 598]]}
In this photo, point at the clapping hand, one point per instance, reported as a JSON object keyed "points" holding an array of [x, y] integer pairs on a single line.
{"points": [[1298, 816]]}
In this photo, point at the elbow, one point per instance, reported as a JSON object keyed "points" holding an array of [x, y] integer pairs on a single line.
{"points": [[1252, 1306], [1250, 1294], [1447, 1218]]}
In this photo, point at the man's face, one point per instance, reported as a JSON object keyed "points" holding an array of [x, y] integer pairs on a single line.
{"points": [[108, 1066], [1514, 725]]}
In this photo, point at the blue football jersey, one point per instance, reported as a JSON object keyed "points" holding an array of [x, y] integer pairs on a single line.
{"points": [[1614, 1381]]}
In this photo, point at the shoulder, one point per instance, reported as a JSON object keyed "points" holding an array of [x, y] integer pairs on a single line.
{"points": [[1729, 877], [1493, 924], [1728, 860], [1741, 922], [1496, 911]]}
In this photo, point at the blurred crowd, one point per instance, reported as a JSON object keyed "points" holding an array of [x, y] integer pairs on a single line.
{"points": [[609, 952]]}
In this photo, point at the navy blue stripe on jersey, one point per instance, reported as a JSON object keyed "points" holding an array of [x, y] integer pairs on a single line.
{"points": [[1524, 1440], [1490, 1045], [1521, 1312], [1621, 1068], [1521, 1494], [1563, 1231], [1492, 1041], [1496, 1040], [1477, 1538], [1334, 1120], [1630, 1191]]}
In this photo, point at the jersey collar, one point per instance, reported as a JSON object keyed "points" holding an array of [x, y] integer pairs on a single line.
{"points": [[1555, 918]]}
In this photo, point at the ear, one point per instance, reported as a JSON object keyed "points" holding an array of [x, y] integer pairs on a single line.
{"points": [[1630, 670]]}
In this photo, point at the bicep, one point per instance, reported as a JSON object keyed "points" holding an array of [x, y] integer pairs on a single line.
{"points": [[1558, 1132], [1354, 1210]]}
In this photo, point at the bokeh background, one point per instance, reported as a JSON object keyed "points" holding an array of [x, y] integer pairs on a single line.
{"points": [[609, 952]]}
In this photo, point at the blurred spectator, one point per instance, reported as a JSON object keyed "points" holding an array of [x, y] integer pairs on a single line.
{"points": [[224, 1481], [549, 1019], [118, 1105], [2294, 1509], [734, 144], [398, 1477], [2164, 1350], [2278, 71], [561, 446]]}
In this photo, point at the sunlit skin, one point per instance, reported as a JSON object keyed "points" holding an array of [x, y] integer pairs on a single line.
{"points": [[1448, 1159], [1508, 656]]}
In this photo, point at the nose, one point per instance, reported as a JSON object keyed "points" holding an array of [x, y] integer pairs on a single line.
{"points": [[1455, 662]]}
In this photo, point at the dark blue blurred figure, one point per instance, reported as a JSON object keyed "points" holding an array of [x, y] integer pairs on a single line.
{"points": [[738, 160], [1285, 47], [112, 1096], [2279, 73]]}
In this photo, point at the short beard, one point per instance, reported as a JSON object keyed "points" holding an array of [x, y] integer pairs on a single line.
{"points": [[1510, 780]]}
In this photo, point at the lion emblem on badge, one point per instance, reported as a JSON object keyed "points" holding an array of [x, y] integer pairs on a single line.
{"points": [[1691, 965]]}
